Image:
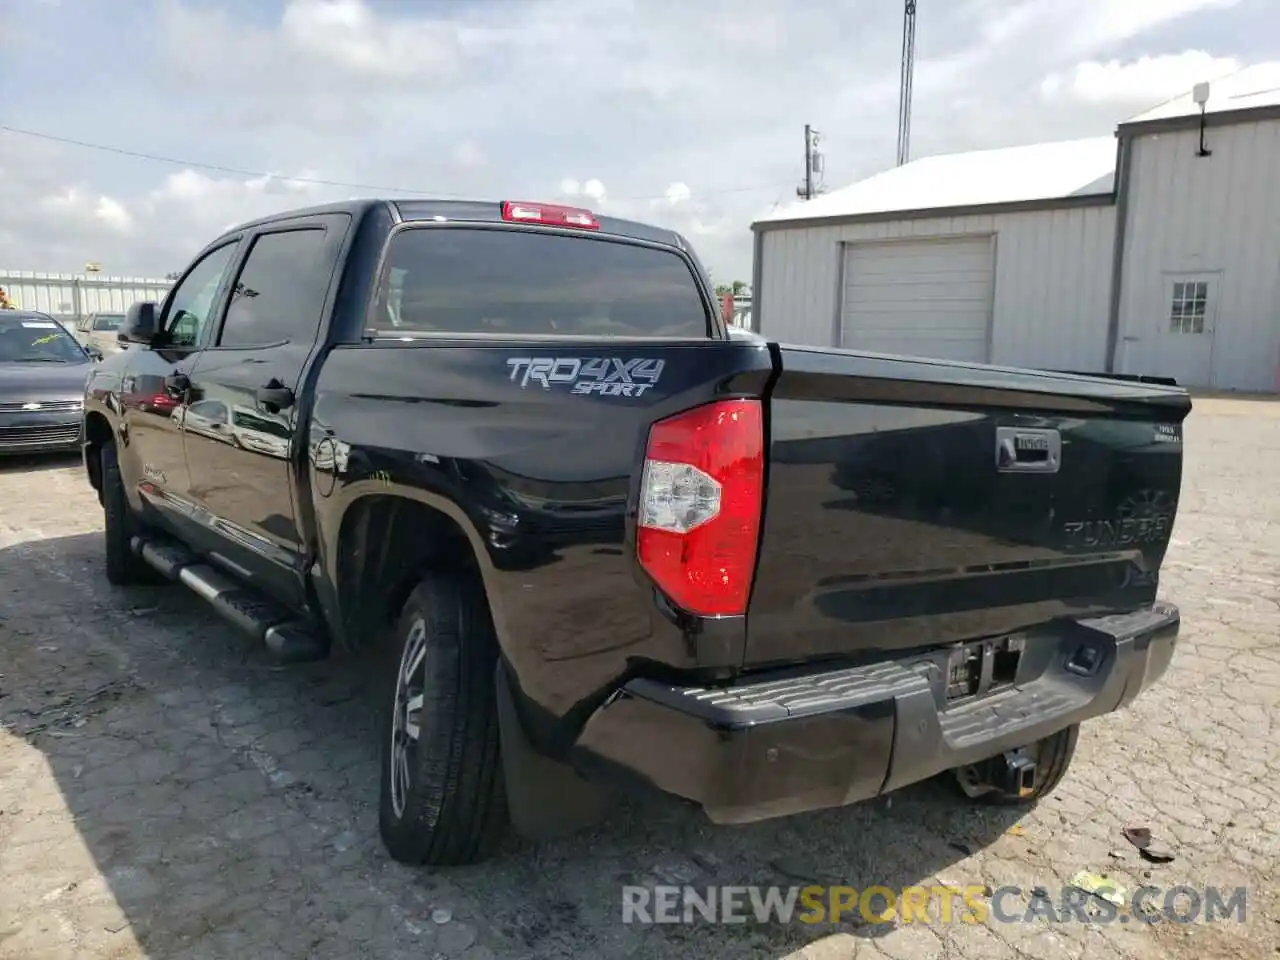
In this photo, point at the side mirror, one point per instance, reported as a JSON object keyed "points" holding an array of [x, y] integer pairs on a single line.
{"points": [[141, 324], [94, 353]]}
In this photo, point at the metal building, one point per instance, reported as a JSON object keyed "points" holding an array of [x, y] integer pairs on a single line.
{"points": [[1134, 253], [72, 296]]}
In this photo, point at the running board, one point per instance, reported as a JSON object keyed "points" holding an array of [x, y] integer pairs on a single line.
{"points": [[290, 639]]}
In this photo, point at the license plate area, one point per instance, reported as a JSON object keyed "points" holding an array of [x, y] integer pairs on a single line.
{"points": [[983, 667]]}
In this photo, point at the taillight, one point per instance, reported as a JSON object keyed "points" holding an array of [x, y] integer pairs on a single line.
{"points": [[700, 502], [551, 215]]}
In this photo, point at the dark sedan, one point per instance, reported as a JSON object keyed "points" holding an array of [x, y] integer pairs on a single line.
{"points": [[42, 376]]}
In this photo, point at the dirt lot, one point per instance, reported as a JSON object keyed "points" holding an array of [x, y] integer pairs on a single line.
{"points": [[166, 792]]}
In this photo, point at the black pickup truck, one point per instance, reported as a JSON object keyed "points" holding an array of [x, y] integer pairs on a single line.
{"points": [[514, 449]]}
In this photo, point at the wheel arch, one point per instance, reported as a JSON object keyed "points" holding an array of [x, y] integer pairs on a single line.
{"points": [[385, 543], [97, 434]]}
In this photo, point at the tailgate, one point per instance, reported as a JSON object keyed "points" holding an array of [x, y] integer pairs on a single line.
{"points": [[912, 503]]}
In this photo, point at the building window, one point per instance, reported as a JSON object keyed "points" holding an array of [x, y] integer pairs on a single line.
{"points": [[1190, 304]]}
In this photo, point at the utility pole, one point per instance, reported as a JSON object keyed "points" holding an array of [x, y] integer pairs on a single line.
{"points": [[908, 69], [812, 164], [808, 163]]}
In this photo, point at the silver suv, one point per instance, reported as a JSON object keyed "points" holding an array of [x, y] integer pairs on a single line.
{"points": [[99, 330]]}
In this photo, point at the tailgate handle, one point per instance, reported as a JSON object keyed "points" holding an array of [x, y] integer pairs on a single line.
{"points": [[1027, 451]]}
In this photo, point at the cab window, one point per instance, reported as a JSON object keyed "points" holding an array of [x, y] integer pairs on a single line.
{"points": [[191, 303]]}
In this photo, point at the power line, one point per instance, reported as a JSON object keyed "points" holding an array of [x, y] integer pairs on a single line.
{"points": [[258, 174], [236, 171]]}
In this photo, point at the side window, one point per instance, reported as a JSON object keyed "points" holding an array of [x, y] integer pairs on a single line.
{"points": [[191, 302], [280, 291]]}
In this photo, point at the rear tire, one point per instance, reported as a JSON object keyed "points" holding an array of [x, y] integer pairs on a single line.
{"points": [[120, 525], [442, 802], [1053, 757]]}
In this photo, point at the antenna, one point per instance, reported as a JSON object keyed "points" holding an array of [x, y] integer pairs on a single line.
{"points": [[905, 82], [1200, 94]]}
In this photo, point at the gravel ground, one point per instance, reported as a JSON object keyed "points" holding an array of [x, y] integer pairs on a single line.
{"points": [[166, 792]]}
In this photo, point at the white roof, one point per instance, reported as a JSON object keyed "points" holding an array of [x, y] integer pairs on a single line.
{"points": [[1042, 171], [1256, 86]]}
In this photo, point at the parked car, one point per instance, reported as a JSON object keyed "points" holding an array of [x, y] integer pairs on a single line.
{"points": [[101, 330], [599, 539], [42, 377]]}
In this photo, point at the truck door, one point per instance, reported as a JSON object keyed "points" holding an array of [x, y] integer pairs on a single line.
{"points": [[153, 393], [241, 453]]}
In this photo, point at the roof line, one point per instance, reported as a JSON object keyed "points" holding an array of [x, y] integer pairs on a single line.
{"points": [[1191, 121], [1189, 92], [929, 213], [1218, 78]]}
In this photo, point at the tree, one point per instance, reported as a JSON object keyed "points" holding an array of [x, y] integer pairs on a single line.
{"points": [[737, 288]]}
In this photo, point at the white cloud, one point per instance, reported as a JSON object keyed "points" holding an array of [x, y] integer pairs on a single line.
{"points": [[678, 193], [467, 153], [349, 34], [592, 190], [1110, 23], [1146, 80], [690, 113], [74, 205], [113, 214]]}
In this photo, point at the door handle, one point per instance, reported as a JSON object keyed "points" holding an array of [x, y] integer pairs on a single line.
{"points": [[1028, 451], [275, 396], [177, 384]]}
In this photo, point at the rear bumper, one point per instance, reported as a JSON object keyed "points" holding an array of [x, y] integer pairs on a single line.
{"points": [[785, 744]]}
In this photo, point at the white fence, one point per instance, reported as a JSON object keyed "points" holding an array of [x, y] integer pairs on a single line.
{"points": [[70, 296]]}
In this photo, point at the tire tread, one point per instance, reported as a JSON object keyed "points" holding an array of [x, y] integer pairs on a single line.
{"points": [[124, 567], [459, 815]]}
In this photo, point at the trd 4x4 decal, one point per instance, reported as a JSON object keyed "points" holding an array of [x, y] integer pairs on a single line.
{"points": [[605, 376]]}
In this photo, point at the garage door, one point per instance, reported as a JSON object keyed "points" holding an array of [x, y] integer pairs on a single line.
{"points": [[924, 298]]}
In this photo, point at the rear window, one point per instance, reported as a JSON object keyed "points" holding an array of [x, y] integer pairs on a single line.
{"points": [[108, 321], [517, 283]]}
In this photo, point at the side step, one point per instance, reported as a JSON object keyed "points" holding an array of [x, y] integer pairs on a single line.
{"points": [[290, 639]]}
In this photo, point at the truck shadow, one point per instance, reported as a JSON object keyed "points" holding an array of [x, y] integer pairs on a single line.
{"points": [[162, 781]]}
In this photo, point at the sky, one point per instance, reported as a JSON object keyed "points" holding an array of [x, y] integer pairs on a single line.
{"points": [[686, 113]]}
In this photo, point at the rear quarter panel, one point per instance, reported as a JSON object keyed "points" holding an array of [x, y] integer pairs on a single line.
{"points": [[540, 478]]}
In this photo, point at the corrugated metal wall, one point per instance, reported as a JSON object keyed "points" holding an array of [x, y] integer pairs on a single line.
{"points": [[1216, 217], [70, 296], [1052, 284]]}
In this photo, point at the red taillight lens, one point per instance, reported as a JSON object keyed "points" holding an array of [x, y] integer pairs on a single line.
{"points": [[550, 214], [700, 503]]}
